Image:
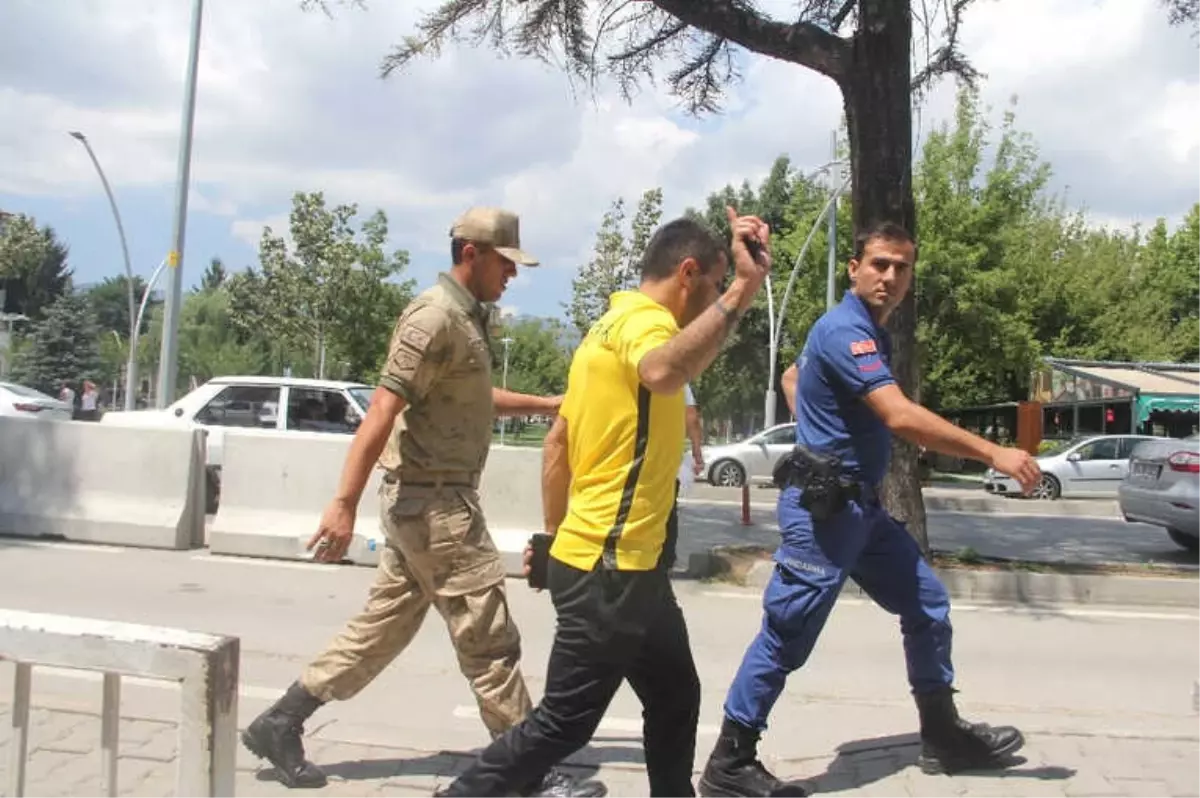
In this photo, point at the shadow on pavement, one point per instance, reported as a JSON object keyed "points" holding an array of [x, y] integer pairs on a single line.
{"points": [[441, 764], [862, 762]]}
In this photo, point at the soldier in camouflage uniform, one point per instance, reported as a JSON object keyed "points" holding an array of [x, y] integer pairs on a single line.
{"points": [[438, 550]]}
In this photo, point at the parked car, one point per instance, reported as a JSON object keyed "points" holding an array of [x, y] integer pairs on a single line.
{"points": [[1163, 488], [17, 401], [282, 403], [1092, 465], [753, 460]]}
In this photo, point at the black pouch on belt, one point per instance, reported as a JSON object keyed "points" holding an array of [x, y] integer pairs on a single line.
{"points": [[824, 488]]}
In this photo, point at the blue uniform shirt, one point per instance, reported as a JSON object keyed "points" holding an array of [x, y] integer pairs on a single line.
{"points": [[846, 356]]}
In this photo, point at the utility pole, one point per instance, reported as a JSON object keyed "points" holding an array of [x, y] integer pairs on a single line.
{"points": [[131, 377], [504, 384], [168, 365], [835, 181]]}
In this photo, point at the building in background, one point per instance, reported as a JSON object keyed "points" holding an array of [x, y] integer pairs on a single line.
{"points": [[1073, 398]]}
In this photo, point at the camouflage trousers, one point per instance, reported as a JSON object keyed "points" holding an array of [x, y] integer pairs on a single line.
{"points": [[438, 553]]}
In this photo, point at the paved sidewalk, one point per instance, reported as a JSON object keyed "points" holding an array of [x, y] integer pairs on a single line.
{"points": [[64, 760]]}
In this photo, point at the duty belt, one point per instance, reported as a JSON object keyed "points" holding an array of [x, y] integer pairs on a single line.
{"points": [[437, 479]]}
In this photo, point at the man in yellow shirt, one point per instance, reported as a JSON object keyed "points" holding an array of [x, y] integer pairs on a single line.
{"points": [[608, 487]]}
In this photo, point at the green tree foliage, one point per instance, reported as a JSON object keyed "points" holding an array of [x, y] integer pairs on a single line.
{"points": [[214, 276], [615, 265], [331, 290], [110, 303], [974, 331], [537, 360], [62, 347], [209, 344], [33, 266]]}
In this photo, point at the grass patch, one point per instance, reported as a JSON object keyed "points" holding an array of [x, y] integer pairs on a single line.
{"points": [[969, 559], [732, 564], [531, 435]]}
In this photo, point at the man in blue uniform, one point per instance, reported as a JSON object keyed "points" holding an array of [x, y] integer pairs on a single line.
{"points": [[847, 405]]}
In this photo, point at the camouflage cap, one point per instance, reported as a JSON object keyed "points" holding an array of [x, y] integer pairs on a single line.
{"points": [[498, 228]]}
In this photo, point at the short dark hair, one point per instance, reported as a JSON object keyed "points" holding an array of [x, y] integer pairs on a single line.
{"points": [[676, 241], [888, 231], [456, 248]]}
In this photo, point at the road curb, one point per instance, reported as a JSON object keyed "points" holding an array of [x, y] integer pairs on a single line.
{"points": [[983, 505], [750, 567], [974, 504]]}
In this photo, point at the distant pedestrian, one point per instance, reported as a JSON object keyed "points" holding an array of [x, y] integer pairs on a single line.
{"points": [[89, 402], [438, 551], [66, 394]]}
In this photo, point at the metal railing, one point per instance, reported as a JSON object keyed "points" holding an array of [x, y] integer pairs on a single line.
{"points": [[205, 666]]}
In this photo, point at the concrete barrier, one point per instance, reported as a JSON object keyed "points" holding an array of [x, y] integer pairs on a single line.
{"points": [[511, 494], [274, 486], [90, 482]]}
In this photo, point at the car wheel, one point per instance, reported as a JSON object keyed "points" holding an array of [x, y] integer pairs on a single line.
{"points": [[1185, 541], [1048, 488], [728, 474], [212, 489]]}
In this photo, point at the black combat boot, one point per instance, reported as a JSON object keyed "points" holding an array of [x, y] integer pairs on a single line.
{"points": [[950, 744], [733, 768], [560, 785], [276, 734], [556, 783]]}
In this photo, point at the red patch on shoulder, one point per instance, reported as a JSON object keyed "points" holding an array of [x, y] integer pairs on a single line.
{"points": [[866, 347]]}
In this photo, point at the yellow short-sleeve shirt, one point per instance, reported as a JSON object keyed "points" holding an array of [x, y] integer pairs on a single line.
{"points": [[623, 442]]}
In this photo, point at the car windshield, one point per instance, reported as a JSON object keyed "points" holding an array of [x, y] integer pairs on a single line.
{"points": [[362, 396]]}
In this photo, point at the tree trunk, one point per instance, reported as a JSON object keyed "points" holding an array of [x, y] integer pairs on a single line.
{"points": [[877, 97]]}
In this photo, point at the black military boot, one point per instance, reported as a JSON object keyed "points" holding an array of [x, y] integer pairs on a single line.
{"points": [[950, 744], [559, 784], [556, 783], [733, 768], [276, 734]]}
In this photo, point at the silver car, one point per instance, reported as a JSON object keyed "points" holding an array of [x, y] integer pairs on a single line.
{"points": [[1163, 488], [753, 459], [1088, 466], [19, 401]]}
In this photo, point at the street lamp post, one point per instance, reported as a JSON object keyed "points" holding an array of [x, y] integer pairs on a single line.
{"points": [[131, 364], [169, 352], [775, 324], [504, 383]]}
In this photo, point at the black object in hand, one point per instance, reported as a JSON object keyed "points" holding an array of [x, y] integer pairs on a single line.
{"points": [[754, 246], [540, 559]]}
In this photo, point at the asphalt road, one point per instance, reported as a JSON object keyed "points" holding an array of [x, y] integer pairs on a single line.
{"points": [[1062, 674], [712, 516]]}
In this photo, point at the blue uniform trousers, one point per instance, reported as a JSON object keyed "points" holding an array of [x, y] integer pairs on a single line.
{"points": [[813, 561]]}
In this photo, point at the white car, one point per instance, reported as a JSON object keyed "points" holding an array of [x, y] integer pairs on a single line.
{"points": [[753, 460], [1094, 465], [312, 405], [17, 401], [282, 403]]}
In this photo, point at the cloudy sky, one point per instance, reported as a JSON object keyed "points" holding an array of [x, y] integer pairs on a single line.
{"points": [[292, 101]]}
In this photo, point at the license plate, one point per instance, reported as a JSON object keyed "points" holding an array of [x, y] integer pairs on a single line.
{"points": [[1148, 471]]}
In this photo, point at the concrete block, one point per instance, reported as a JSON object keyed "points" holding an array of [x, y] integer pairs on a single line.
{"points": [[91, 482], [274, 487]]}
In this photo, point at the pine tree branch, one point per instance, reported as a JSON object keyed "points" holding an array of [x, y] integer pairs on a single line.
{"points": [[800, 43], [947, 59], [840, 15]]}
